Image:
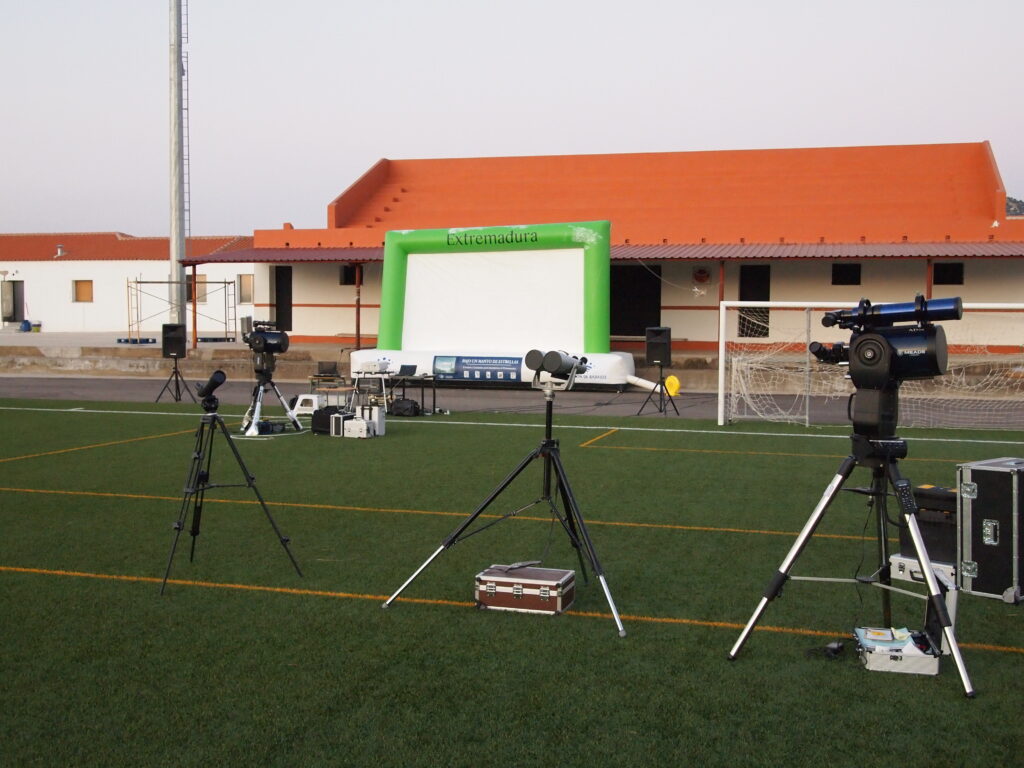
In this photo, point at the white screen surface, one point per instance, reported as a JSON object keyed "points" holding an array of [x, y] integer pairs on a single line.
{"points": [[502, 302]]}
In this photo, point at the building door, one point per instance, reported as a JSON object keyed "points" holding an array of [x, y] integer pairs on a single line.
{"points": [[755, 285], [12, 300], [283, 298], [635, 298]]}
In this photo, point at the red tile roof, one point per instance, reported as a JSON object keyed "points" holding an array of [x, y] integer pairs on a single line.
{"points": [[107, 246], [889, 194]]}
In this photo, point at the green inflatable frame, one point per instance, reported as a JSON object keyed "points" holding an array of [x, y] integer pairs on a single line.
{"points": [[592, 236]]}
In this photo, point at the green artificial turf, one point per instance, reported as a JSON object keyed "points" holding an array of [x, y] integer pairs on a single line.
{"points": [[243, 662]]}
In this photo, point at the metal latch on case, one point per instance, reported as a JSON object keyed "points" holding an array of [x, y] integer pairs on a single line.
{"points": [[990, 532]]}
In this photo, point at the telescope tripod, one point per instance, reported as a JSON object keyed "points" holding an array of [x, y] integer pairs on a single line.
{"points": [[198, 483], [881, 457], [179, 384], [570, 517], [251, 420]]}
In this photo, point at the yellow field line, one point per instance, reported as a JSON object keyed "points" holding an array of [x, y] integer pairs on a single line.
{"points": [[593, 440], [456, 603], [96, 445], [347, 508]]}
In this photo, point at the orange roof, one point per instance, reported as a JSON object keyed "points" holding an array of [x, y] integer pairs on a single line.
{"points": [[107, 246], [915, 193]]}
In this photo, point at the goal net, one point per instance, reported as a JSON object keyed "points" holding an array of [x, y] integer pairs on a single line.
{"points": [[765, 371]]}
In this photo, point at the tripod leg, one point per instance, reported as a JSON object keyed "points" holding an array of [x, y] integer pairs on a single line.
{"points": [[573, 510], [288, 411], [908, 506], [251, 482], [412, 578], [453, 537], [251, 422], [879, 492], [779, 577], [188, 498], [646, 401]]}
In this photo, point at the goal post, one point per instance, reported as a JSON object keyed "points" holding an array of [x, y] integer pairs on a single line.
{"points": [[766, 372]]}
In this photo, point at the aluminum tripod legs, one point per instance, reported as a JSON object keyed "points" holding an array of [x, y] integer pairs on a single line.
{"points": [[197, 483], [881, 455], [571, 520], [251, 420]]}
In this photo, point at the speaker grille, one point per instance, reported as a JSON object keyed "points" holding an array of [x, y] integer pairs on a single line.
{"points": [[173, 340], [659, 346]]}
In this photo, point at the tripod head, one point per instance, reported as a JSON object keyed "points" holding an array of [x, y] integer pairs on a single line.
{"points": [[881, 355]]}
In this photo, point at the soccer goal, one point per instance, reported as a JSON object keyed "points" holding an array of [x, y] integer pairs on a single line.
{"points": [[765, 371]]}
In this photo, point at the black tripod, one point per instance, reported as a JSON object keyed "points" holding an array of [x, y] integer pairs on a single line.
{"points": [[570, 517], [662, 395], [880, 455], [198, 483], [179, 384]]}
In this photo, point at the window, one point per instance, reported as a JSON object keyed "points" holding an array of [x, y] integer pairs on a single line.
{"points": [[197, 288], [845, 274], [245, 289], [82, 290], [347, 274], [948, 273]]}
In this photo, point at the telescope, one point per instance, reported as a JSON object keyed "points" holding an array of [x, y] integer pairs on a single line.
{"points": [[205, 391], [560, 365], [262, 339], [883, 315], [882, 354]]}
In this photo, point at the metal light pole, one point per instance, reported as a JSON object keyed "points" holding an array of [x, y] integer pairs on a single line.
{"points": [[177, 291]]}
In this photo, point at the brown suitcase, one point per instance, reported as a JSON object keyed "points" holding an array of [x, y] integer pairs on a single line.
{"points": [[525, 589]]}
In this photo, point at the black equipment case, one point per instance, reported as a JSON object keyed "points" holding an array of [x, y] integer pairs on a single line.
{"points": [[989, 517], [936, 518], [320, 421]]}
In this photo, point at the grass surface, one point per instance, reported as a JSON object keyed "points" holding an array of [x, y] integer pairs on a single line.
{"points": [[244, 662]]}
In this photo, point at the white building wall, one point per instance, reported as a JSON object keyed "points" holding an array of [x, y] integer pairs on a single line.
{"points": [[323, 307], [49, 295]]}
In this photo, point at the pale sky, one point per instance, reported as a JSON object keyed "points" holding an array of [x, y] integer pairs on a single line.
{"points": [[290, 102]]}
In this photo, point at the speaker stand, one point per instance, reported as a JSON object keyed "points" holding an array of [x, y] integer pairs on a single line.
{"points": [[179, 384], [661, 402]]}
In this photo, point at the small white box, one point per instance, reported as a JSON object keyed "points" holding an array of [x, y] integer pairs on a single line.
{"points": [[374, 414], [338, 423], [888, 650], [908, 569], [356, 427]]}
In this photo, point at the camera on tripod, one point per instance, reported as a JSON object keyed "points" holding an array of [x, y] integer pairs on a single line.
{"points": [[882, 354]]}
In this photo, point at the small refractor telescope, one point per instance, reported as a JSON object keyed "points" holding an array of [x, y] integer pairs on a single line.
{"points": [[555, 368], [205, 391], [882, 354]]}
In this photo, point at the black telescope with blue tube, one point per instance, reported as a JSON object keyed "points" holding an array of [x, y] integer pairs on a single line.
{"points": [[882, 354], [920, 310]]}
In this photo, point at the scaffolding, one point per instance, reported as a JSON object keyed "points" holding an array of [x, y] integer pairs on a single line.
{"points": [[145, 304]]}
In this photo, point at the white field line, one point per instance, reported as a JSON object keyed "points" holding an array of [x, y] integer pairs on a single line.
{"points": [[724, 432]]}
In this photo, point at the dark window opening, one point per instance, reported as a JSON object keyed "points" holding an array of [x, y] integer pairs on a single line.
{"points": [[347, 274], [846, 274], [948, 273]]}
